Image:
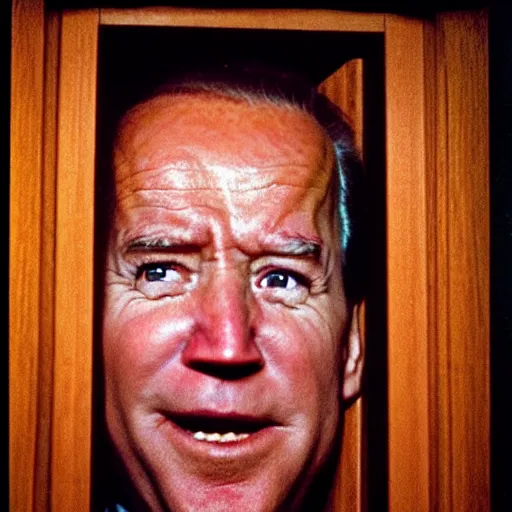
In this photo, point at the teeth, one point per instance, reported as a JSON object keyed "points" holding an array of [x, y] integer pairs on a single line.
{"points": [[230, 436], [215, 437]]}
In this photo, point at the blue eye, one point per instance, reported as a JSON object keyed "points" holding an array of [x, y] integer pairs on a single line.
{"points": [[164, 279], [283, 279], [156, 272]]}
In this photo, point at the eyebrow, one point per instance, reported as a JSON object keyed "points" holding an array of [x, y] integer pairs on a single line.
{"points": [[160, 244], [294, 246], [300, 247], [283, 246]]}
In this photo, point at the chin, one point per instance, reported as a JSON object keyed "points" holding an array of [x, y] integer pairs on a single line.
{"points": [[306, 490], [248, 497]]}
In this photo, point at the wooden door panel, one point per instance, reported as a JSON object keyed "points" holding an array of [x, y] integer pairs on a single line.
{"points": [[27, 62], [272, 19], [74, 262], [459, 271], [408, 385]]}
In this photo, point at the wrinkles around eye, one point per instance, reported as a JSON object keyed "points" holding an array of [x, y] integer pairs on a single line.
{"points": [[158, 279]]}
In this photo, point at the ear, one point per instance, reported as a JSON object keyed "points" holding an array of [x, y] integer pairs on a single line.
{"points": [[354, 358]]}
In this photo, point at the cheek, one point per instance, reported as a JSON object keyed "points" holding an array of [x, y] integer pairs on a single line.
{"points": [[140, 338], [305, 363], [303, 351]]}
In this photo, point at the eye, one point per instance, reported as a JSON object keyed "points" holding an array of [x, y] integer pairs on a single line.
{"points": [[285, 287], [158, 272], [157, 280], [279, 279]]}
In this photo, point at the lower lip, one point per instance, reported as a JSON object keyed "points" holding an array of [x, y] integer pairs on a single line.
{"points": [[257, 443]]}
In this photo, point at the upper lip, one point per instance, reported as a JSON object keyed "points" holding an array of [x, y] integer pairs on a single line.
{"points": [[212, 421]]}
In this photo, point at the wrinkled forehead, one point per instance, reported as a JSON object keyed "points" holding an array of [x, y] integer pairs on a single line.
{"points": [[187, 130]]}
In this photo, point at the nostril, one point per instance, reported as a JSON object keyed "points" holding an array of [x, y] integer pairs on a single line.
{"points": [[226, 371], [212, 353]]}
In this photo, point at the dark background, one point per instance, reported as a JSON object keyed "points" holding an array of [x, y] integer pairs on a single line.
{"points": [[500, 83]]}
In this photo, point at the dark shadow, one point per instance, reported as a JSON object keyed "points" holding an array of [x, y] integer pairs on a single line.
{"points": [[500, 88]]}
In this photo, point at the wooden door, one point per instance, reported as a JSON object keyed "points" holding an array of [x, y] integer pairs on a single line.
{"points": [[436, 242]]}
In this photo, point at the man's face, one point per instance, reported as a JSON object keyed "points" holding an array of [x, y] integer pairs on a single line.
{"points": [[225, 310]]}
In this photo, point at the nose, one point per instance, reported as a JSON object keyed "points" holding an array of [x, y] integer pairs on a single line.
{"points": [[223, 344]]}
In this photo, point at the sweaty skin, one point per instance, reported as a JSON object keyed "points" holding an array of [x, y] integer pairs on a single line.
{"points": [[225, 309]]}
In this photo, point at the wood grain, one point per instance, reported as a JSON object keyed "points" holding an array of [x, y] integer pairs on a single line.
{"points": [[408, 384], [46, 338], [71, 426], [279, 19], [345, 89], [27, 54], [461, 409], [437, 268]]}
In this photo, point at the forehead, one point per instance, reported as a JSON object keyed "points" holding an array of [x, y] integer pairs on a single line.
{"points": [[191, 131]]}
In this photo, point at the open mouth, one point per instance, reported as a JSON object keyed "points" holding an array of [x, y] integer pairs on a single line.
{"points": [[223, 429]]}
